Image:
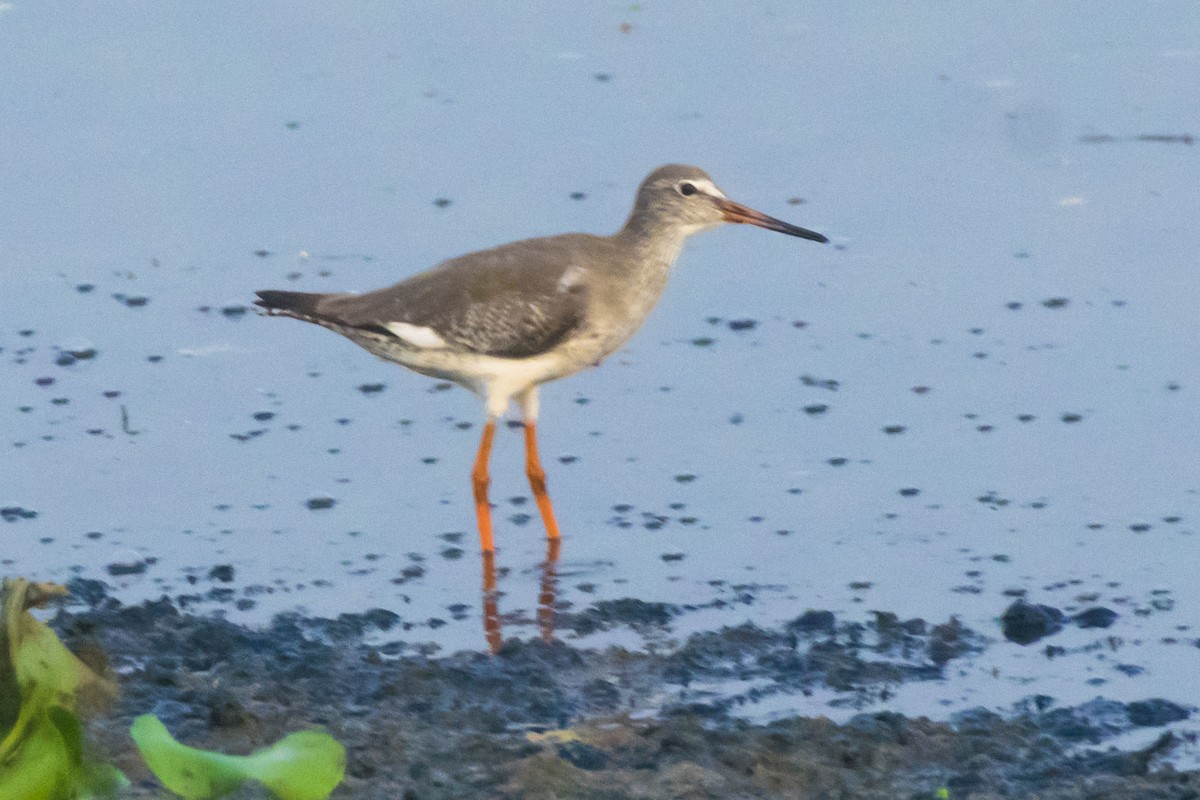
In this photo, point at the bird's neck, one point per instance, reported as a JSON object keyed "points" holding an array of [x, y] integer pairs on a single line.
{"points": [[656, 248]]}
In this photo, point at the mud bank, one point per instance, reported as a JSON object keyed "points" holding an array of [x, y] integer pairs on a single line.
{"points": [[542, 720]]}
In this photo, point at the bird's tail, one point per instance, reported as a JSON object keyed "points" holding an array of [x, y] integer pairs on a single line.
{"points": [[302, 305]]}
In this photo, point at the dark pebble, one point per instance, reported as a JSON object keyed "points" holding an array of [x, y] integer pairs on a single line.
{"points": [[320, 503], [225, 710], [1155, 711], [380, 618], [1098, 617], [1025, 623], [15, 513], [583, 756], [812, 622], [131, 302], [129, 568], [88, 590], [625, 611], [221, 572]]}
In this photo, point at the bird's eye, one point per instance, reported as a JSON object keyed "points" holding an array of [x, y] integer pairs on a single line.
{"points": [[687, 189]]}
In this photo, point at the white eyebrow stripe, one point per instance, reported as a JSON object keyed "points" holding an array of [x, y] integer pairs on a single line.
{"points": [[416, 335], [707, 187]]}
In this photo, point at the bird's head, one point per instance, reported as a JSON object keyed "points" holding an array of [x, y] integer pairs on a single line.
{"points": [[685, 198]]}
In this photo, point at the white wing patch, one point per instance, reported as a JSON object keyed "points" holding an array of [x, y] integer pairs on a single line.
{"points": [[573, 276], [417, 335]]}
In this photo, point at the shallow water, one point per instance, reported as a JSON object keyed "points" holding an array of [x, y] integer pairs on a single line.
{"points": [[985, 385]]}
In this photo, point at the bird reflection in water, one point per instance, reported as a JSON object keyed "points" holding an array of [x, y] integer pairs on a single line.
{"points": [[547, 597]]}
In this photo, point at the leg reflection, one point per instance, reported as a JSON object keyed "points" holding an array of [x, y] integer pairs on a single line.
{"points": [[491, 605], [549, 590], [547, 597]]}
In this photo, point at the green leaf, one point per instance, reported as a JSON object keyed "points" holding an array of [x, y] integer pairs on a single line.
{"points": [[307, 765], [41, 683], [36, 767]]}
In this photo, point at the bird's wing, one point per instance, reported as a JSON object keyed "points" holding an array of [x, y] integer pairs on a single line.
{"points": [[513, 301]]}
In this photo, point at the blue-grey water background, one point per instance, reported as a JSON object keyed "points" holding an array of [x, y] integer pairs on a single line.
{"points": [[986, 384]]}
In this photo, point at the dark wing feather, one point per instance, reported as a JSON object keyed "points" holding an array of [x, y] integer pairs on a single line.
{"points": [[509, 302]]}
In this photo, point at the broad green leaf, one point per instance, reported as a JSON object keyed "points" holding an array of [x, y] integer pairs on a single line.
{"points": [[33, 658], [302, 766], [37, 766], [48, 763], [41, 739]]}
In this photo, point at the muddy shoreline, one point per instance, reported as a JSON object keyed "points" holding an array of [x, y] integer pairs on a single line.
{"points": [[542, 720]]}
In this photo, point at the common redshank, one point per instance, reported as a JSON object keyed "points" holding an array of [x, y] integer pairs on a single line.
{"points": [[502, 322]]}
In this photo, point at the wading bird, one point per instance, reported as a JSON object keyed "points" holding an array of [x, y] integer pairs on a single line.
{"points": [[502, 322]]}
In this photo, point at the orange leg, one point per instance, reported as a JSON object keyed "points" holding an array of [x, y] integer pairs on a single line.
{"points": [[537, 480], [480, 480]]}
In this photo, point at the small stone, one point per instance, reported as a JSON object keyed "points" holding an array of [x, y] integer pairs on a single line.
{"points": [[1155, 712], [221, 572], [1025, 623], [1098, 617], [584, 756], [15, 513], [320, 503], [132, 565]]}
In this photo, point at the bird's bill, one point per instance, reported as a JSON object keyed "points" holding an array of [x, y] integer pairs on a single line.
{"points": [[736, 212]]}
